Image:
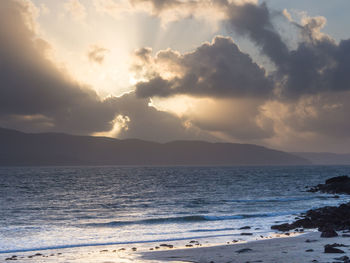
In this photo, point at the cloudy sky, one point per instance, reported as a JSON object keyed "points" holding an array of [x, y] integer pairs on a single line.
{"points": [[274, 73]]}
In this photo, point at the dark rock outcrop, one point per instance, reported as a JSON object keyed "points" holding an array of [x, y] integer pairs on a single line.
{"points": [[325, 218], [329, 233], [335, 185], [330, 249]]}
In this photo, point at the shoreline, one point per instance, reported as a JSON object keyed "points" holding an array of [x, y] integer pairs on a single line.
{"points": [[131, 251], [281, 247], [284, 247], [306, 247]]}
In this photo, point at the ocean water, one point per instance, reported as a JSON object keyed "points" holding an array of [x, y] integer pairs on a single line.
{"points": [[67, 207]]}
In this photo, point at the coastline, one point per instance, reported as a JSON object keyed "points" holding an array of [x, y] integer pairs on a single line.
{"points": [[286, 248], [307, 247]]}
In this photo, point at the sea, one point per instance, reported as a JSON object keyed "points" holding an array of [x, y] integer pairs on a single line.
{"points": [[52, 208]]}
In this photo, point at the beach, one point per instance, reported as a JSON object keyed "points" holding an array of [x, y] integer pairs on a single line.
{"points": [[307, 247], [303, 248]]}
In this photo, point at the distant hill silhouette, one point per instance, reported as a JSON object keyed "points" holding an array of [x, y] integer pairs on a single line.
{"points": [[325, 158], [18, 148]]}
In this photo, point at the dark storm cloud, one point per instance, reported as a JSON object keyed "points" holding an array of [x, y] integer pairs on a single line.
{"points": [[255, 21], [31, 85], [310, 81], [36, 96], [317, 65], [218, 69]]}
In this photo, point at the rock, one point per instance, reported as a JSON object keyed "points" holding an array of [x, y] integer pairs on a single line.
{"points": [[324, 218], [246, 234], [134, 249], [309, 250], [244, 250], [343, 258], [338, 245], [332, 249], [188, 245], [10, 258], [335, 185], [329, 233], [310, 241], [338, 179], [282, 227], [245, 227], [166, 245]]}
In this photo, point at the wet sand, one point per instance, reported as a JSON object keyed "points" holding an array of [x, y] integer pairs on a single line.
{"points": [[303, 248], [307, 247]]}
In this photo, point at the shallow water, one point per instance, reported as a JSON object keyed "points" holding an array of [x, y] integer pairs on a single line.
{"points": [[64, 207]]}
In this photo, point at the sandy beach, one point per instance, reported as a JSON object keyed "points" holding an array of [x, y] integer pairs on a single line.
{"points": [[303, 248], [307, 247]]}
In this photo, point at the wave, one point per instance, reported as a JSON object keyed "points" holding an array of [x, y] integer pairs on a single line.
{"points": [[188, 219], [107, 244]]}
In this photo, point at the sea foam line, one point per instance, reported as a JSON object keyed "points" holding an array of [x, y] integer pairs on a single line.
{"points": [[108, 244]]}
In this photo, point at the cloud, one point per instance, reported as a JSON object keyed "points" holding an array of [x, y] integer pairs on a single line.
{"points": [[167, 10], [304, 98], [301, 102], [112, 8], [76, 9], [217, 69], [96, 54], [255, 21], [44, 9], [317, 64], [232, 119], [146, 122], [37, 96], [312, 123], [32, 85]]}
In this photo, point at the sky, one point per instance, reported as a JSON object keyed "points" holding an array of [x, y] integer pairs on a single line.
{"points": [[273, 73]]}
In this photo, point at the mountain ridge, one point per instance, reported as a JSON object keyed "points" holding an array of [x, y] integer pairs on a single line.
{"points": [[48, 149], [325, 158]]}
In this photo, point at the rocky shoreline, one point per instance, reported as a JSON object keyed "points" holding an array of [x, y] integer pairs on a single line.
{"points": [[327, 219]]}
